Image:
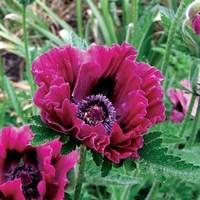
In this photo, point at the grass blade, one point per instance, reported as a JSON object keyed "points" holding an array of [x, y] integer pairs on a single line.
{"points": [[101, 21]]}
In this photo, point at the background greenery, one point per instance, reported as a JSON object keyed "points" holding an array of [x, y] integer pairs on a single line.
{"points": [[169, 167]]}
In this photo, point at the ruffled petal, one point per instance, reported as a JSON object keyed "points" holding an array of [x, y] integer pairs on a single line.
{"points": [[64, 62], [63, 166], [60, 118], [181, 102], [102, 62], [12, 140], [133, 113], [86, 79], [12, 190], [15, 138], [178, 96], [95, 137], [123, 145], [176, 116], [54, 168], [151, 85]]}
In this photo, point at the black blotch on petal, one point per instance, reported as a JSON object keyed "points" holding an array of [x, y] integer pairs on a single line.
{"points": [[104, 86]]}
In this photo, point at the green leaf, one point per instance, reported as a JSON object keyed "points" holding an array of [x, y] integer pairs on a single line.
{"points": [[42, 132], [167, 16], [191, 154], [97, 157], [106, 167], [36, 120], [129, 164], [108, 20], [101, 21], [142, 28], [11, 95], [157, 157], [42, 135], [77, 41], [54, 16], [68, 145]]}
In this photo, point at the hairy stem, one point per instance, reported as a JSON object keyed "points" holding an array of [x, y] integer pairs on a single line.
{"points": [[127, 189], [170, 39], [79, 17], [81, 169], [184, 125], [195, 126], [151, 193]]}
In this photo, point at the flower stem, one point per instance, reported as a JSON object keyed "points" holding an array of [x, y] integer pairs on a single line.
{"points": [[170, 39], [188, 114], [127, 189], [152, 191], [81, 168], [195, 126], [79, 17]]}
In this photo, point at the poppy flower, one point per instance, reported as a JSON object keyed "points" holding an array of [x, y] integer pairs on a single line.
{"points": [[28, 172], [101, 96], [181, 102]]}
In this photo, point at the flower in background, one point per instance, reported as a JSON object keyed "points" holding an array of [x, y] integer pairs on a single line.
{"points": [[28, 172], [180, 99], [193, 16], [103, 97], [196, 23]]}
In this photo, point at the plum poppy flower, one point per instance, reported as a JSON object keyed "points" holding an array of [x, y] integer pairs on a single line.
{"points": [[28, 172], [101, 96], [181, 101]]}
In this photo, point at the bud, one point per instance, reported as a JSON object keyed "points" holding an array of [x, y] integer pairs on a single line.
{"points": [[196, 24], [193, 14]]}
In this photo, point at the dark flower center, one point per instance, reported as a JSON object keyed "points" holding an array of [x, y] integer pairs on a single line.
{"points": [[97, 109], [30, 177], [179, 107], [2, 197]]}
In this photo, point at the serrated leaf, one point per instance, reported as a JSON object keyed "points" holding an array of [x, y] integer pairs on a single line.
{"points": [[190, 154], [106, 167], [42, 134], [77, 41], [157, 156], [36, 120], [129, 164], [69, 145], [97, 157], [68, 196]]}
